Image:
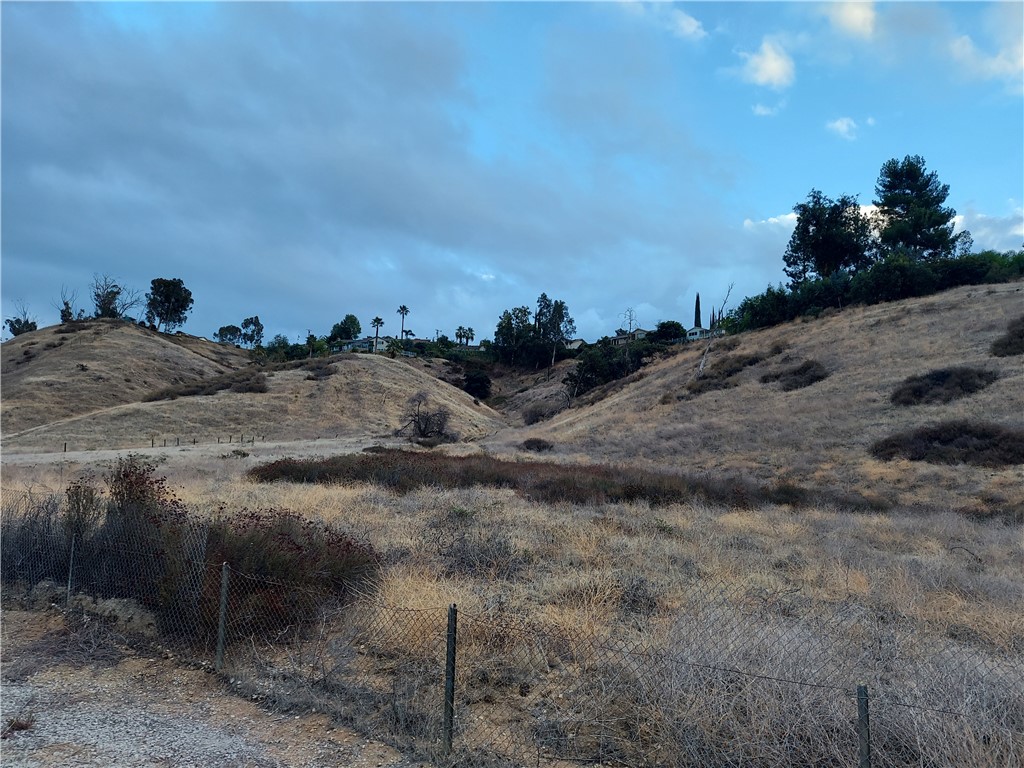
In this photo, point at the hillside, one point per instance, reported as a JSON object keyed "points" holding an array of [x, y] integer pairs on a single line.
{"points": [[818, 435], [74, 369], [102, 406]]}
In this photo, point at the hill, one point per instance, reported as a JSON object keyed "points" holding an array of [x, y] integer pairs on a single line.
{"points": [[817, 435], [89, 389]]}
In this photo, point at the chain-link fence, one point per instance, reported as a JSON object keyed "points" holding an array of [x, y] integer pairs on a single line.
{"points": [[734, 679]]}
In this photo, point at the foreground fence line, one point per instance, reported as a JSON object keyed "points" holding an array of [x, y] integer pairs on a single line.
{"points": [[730, 683]]}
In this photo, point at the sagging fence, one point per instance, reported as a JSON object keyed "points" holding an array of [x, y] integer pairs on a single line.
{"points": [[731, 679]]}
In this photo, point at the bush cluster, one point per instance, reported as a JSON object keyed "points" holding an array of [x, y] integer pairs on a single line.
{"points": [[895, 278], [137, 541], [245, 380], [799, 376], [956, 442], [405, 471], [1012, 342], [942, 385], [721, 373]]}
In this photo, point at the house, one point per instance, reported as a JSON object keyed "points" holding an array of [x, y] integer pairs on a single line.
{"points": [[367, 344], [698, 333], [623, 337], [574, 343]]}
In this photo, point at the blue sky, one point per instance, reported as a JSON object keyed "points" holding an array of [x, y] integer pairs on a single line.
{"points": [[305, 161]]}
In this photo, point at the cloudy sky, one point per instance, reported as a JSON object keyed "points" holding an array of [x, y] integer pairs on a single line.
{"points": [[304, 161]]}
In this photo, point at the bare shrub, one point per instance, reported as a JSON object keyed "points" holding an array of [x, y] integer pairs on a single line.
{"points": [[424, 423], [942, 385], [956, 442]]}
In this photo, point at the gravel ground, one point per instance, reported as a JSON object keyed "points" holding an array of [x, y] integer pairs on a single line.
{"points": [[129, 710]]}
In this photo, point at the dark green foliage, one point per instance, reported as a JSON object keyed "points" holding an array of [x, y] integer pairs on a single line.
{"points": [[942, 385], [404, 472], [245, 380], [603, 362], [668, 332], [168, 303], [533, 343], [20, 325], [956, 442], [228, 334], [252, 332], [830, 236], [914, 221], [797, 377], [346, 330], [1012, 342], [477, 384], [897, 277]]}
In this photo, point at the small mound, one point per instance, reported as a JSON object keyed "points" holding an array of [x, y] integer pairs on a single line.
{"points": [[956, 442], [800, 376], [1012, 342], [942, 385]]}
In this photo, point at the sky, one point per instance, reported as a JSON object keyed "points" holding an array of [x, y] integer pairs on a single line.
{"points": [[304, 161]]}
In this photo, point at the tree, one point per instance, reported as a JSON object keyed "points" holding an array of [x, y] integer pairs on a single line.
{"points": [[168, 303], [667, 332], [21, 322], [912, 218], [346, 330], [377, 324], [460, 334], [469, 335], [477, 384], [404, 312], [112, 300], [830, 235], [696, 313], [512, 333], [555, 325], [252, 332], [228, 334], [67, 310]]}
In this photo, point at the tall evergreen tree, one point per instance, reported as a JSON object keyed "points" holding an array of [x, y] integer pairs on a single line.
{"points": [[912, 217], [830, 235], [696, 313]]}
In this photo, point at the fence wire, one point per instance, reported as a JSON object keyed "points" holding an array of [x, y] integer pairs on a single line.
{"points": [[735, 679]]}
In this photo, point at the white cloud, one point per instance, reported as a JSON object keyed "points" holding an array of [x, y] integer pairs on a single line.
{"points": [[770, 66], [785, 222], [685, 26], [1005, 64], [999, 233], [844, 127], [856, 19], [764, 110], [870, 121]]}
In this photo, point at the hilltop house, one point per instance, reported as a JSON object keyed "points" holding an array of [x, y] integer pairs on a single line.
{"points": [[367, 344], [623, 337]]}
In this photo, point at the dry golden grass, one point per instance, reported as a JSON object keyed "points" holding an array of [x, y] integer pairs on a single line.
{"points": [[820, 434], [727, 580]]}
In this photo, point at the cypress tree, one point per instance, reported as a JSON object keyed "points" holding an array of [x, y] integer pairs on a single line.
{"points": [[696, 313]]}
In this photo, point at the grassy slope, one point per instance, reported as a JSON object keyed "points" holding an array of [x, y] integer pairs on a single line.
{"points": [[102, 408], [818, 435], [68, 370]]}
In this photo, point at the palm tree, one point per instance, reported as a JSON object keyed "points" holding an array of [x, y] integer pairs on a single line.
{"points": [[377, 322], [469, 335], [460, 334], [404, 312], [408, 333]]}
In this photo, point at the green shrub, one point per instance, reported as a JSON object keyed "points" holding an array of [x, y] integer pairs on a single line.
{"points": [[1012, 342], [956, 442], [942, 385]]}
